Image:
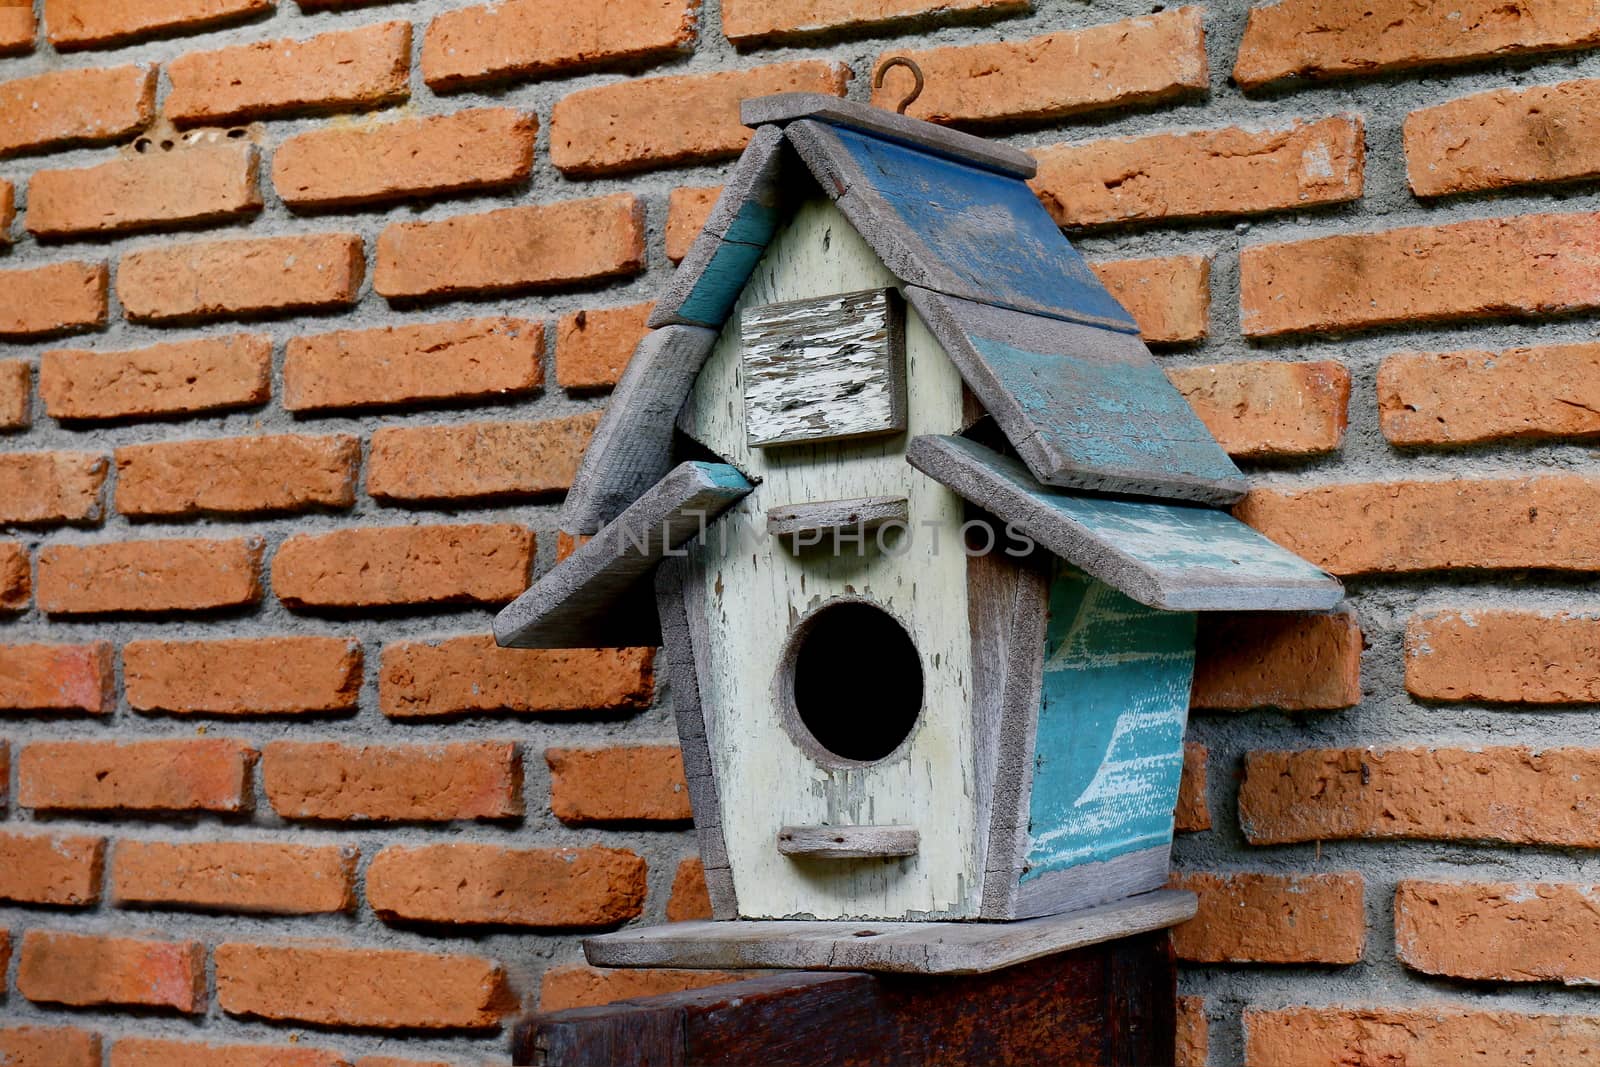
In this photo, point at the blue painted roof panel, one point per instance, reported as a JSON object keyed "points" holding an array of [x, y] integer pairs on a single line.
{"points": [[988, 229]]}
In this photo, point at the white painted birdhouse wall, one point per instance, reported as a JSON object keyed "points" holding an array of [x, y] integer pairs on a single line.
{"points": [[758, 588]]}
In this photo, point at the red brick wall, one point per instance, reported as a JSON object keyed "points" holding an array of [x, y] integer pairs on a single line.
{"points": [[307, 309]]}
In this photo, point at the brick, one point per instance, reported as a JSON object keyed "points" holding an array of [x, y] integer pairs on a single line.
{"points": [[259, 877], [43, 488], [348, 70], [377, 783], [566, 544], [1498, 931], [1277, 660], [477, 460], [1193, 813], [391, 565], [1202, 174], [91, 971], [1407, 527], [1169, 298], [395, 1061], [144, 576], [8, 199], [536, 246], [75, 107], [1432, 1035], [1246, 917], [247, 676], [49, 869], [53, 299], [195, 183], [532, 38], [48, 1046], [485, 148], [1481, 268], [1193, 1045], [1509, 794], [180, 377], [16, 400], [155, 1052], [1265, 409], [482, 884], [1318, 38], [5, 791], [467, 675], [16, 577], [468, 360], [58, 678], [642, 783], [218, 279], [185, 776], [1510, 657], [683, 118], [594, 347], [17, 28], [237, 475], [1143, 60], [357, 987], [582, 986], [753, 22], [690, 900], [73, 24], [688, 207], [1503, 138], [1541, 393]]}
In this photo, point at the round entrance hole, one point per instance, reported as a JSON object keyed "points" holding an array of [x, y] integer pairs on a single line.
{"points": [[853, 681]]}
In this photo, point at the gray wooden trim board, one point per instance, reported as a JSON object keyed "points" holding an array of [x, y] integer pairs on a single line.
{"points": [[848, 842], [783, 108], [1008, 601], [631, 449], [1174, 557], [861, 514], [572, 606], [678, 588], [885, 947], [1089, 884], [1084, 407]]}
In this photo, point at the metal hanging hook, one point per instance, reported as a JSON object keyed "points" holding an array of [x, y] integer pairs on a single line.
{"points": [[916, 72]]}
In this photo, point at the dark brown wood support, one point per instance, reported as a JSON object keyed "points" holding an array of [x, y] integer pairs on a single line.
{"points": [[1108, 1004]]}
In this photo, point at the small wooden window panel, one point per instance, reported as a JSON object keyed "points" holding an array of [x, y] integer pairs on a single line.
{"points": [[825, 369]]}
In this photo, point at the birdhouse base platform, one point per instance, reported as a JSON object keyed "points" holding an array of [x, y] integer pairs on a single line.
{"points": [[925, 948], [1110, 1003]]}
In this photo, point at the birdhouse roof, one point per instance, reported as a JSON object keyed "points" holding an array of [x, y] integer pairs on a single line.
{"points": [[1044, 347]]}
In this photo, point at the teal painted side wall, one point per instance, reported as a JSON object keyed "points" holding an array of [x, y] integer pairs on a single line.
{"points": [[1111, 719]]}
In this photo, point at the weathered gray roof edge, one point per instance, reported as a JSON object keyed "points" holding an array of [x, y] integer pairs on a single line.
{"points": [[1169, 555], [780, 109], [572, 606]]}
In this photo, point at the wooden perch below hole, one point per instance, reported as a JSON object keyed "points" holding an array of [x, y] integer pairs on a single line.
{"points": [[865, 514], [848, 842]]}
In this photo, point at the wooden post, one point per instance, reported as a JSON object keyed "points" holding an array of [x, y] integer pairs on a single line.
{"points": [[1108, 1004]]}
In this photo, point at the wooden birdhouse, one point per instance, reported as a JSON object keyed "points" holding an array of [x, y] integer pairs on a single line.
{"points": [[924, 531]]}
